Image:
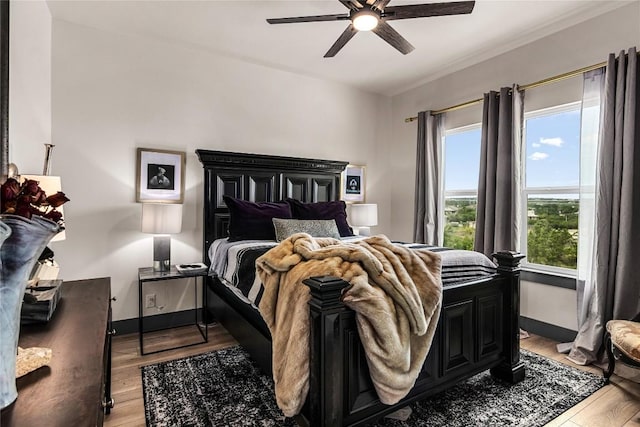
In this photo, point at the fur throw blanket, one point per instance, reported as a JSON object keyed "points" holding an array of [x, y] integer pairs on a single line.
{"points": [[396, 293]]}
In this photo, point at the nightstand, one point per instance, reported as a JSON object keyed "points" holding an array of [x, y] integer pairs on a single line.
{"points": [[148, 274]]}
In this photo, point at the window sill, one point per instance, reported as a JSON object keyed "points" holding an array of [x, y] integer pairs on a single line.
{"points": [[546, 278]]}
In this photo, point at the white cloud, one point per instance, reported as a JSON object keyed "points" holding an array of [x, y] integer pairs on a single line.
{"points": [[556, 142], [538, 156], [536, 145]]}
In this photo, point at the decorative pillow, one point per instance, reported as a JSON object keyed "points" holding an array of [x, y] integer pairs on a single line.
{"points": [[315, 227], [252, 220], [336, 210]]}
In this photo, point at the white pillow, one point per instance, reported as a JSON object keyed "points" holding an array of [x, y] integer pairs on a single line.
{"points": [[315, 227]]}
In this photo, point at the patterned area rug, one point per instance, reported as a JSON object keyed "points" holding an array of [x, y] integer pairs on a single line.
{"points": [[224, 388]]}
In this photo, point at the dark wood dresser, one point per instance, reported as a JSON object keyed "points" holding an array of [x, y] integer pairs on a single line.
{"points": [[75, 389]]}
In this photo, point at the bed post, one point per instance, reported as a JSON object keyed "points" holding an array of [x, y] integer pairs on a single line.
{"points": [[326, 373], [511, 369]]}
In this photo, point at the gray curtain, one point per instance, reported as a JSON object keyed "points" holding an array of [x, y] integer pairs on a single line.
{"points": [[617, 222], [428, 211], [497, 222]]}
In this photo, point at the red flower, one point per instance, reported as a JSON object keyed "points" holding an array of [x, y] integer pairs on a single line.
{"points": [[53, 215], [31, 187], [28, 199], [24, 210], [38, 198], [57, 199], [10, 190]]}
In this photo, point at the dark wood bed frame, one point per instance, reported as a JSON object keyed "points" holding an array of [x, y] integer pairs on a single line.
{"points": [[478, 327]]}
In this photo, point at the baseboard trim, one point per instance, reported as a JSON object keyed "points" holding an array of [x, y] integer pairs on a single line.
{"points": [[182, 318], [557, 333], [158, 321]]}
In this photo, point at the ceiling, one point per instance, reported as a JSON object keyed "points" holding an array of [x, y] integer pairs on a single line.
{"points": [[238, 29]]}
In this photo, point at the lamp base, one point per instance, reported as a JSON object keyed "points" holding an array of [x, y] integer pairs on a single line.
{"points": [[162, 265], [364, 231], [161, 253]]}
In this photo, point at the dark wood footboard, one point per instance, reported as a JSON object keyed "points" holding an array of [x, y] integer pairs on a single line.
{"points": [[478, 330]]}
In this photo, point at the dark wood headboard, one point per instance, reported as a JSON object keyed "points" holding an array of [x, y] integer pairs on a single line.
{"points": [[261, 178]]}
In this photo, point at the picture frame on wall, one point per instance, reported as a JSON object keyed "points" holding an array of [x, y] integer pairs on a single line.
{"points": [[352, 186], [160, 176]]}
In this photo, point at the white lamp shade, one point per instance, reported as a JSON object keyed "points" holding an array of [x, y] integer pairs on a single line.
{"points": [[160, 218], [50, 185], [364, 215]]}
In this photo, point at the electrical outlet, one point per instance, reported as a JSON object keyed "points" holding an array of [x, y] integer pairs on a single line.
{"points": [[150, 300]]}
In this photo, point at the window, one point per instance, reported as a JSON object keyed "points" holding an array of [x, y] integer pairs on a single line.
{"points": [[461, 170], [550, 196], [550, 193]]}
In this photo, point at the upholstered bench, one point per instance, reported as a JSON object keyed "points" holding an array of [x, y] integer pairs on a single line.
{"points": [[622, 342]]}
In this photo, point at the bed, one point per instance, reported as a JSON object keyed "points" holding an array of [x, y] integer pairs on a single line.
{"points": [[479, 321]]}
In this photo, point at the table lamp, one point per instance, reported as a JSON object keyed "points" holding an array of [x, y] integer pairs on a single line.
{"points": [[161, 220], [363, 216]]}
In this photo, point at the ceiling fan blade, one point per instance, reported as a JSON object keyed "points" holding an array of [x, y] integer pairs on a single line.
{"points": [[351, 4], [318, 18], [342, 40], [426, 10], [391, 36], [381, 4]]}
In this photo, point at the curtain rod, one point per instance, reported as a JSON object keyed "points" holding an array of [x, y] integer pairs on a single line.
{"points": [[542, 82]]}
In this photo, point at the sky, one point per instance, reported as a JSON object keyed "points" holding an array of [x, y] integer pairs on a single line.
{"points": [[552, 145], [553, 150], [462, 160]]}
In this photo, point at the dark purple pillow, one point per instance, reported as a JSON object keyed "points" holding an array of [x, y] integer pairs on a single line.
{"points": [[252, 220], [336, 210]]}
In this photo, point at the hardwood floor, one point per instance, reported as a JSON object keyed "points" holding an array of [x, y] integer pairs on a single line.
{"points": [[126, 380], [616, 405]]}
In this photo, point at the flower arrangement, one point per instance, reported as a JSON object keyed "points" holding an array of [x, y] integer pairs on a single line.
{"points": [[28, 199]]}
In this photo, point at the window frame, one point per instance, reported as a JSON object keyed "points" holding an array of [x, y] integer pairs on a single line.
{"points": [[526, 191]]}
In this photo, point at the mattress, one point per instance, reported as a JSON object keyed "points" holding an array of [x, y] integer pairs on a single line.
{"points": [[233, 263]]}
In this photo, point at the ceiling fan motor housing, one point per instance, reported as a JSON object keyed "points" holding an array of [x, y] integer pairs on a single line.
{"points": [[365, 19]]}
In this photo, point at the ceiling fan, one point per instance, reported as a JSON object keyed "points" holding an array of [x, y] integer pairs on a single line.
{"points": [[372, 15]]}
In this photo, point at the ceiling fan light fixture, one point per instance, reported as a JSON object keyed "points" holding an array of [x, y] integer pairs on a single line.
{"points": [[365, 20]]}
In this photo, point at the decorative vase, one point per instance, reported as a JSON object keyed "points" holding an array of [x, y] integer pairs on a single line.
{"points": [[23, 241]]}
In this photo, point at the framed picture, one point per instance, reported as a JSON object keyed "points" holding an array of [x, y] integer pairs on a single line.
{"points": [[160, 176], [353, 184]]}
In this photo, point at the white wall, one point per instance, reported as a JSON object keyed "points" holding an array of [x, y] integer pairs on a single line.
{"points": [[582, 45], [549, 304], [29, 84], [112, 93]]}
